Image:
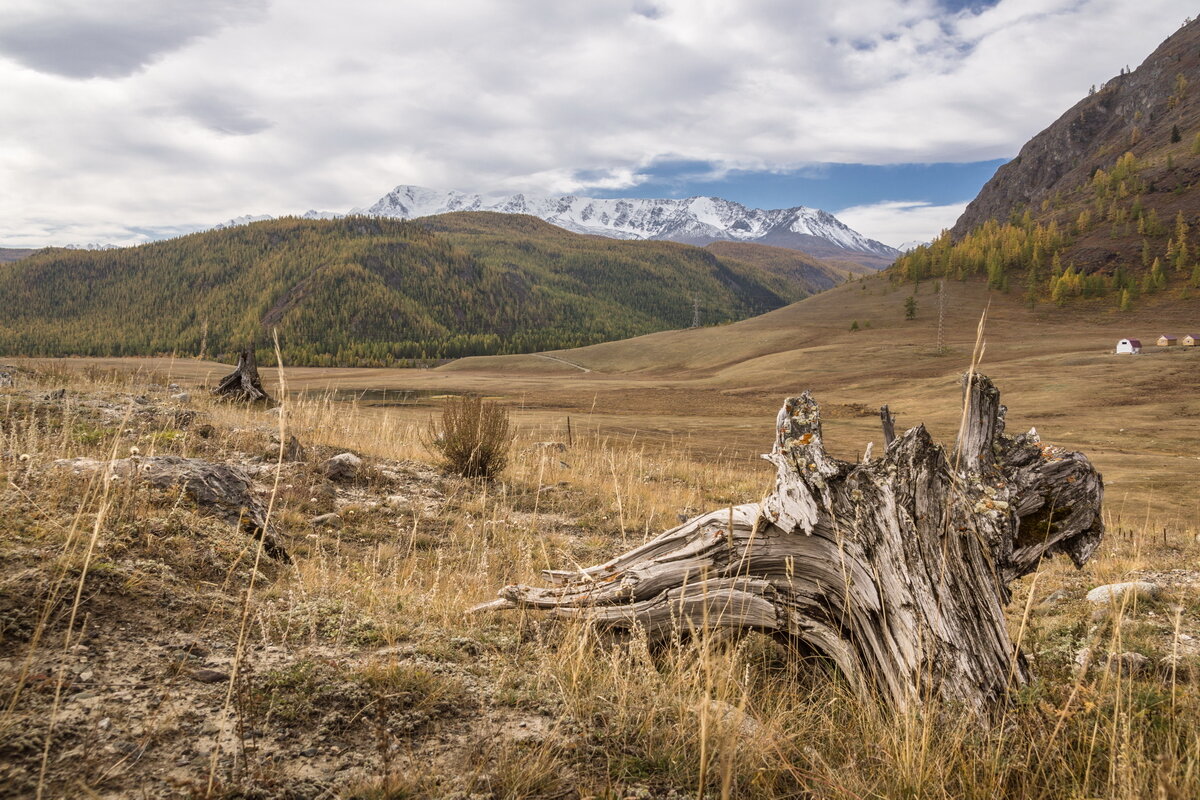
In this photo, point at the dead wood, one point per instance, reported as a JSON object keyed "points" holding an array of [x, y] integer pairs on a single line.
{"points": [[243, 383], [896, 569]]}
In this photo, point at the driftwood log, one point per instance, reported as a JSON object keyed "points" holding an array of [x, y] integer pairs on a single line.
{"points": [[243, 383], [895, 569]]}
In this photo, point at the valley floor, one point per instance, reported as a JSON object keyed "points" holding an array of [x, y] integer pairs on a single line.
{"points": [[149, 648]]}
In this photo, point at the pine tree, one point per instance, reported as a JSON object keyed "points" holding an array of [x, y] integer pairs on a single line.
{"points": [[1126, 303], [910, 307]]}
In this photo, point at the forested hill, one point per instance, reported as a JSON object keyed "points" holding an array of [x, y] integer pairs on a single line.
{"points": [[369, 291], [1101, 206]]}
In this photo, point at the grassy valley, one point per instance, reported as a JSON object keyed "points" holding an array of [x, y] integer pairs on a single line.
{"points": [[356, 670]]}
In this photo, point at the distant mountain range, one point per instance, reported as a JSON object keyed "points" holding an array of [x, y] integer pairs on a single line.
{"points": [[694, 220]]}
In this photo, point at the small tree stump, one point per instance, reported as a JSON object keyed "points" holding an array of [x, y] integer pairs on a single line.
{"points": [[896, 569], [243, 383]]}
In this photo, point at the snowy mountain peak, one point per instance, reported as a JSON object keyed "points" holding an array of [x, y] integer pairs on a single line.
{"points": [[692, 220]]}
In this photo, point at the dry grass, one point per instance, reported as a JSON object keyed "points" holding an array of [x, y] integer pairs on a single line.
{"points": [[361, 674]]}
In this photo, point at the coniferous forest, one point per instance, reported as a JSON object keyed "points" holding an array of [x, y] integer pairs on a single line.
{"points": [[362, 291]]}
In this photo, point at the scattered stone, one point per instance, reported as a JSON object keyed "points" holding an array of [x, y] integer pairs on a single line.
{"points": [[205, 431], [1127, 663], [7, 377], [293, 451], [182, 397], [209, 675], [222, 489], [1083, 659], [105, 724], [86, 676], [1113, 592], [1058, 597], [328, 521], [556, 446], [324, 491], [342, 467], [57, 394]]}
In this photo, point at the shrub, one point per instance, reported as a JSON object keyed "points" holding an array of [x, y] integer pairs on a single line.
{"points": [[473, 437]]}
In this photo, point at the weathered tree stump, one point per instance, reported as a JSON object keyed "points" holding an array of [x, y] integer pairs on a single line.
{"points": [[243, 383], [895, 569]]}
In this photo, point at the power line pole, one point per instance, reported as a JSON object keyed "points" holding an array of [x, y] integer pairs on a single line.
{"points": [[695, 312], [941, 317]]}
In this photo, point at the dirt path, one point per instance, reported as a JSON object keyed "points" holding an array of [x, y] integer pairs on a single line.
{"points": [[562, 361]]}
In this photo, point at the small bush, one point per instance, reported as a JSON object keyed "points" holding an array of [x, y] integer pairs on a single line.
{"points": [[473, 437]]}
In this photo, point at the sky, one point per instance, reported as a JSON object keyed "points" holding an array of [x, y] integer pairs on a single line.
{"points": [[129, 120]]}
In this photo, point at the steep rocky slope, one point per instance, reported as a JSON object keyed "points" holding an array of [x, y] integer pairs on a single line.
{"points": [[1152, 112]]}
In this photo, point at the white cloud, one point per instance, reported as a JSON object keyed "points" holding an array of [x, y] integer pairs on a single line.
{"points": [[209, 112], [901, 222]]}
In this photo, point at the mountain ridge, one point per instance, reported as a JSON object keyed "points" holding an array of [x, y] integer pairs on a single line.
{"points": [[1136, 111], [371, 291], [1102, 207], [694, 220]]}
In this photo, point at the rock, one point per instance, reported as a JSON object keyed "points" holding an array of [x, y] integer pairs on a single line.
{"points": [[7, 378], [1113, 592], [732, 715], [1083, 659], [1058, 597], [104, 724], [209, 675], [328, 521], [57, 394], [86, 676], [1127, 663], [182, 397], [221, 489], [342, 467], [555, 446], [293, 451]]}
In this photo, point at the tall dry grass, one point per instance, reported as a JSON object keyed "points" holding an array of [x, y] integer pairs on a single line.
{"points": [[714, 715]]}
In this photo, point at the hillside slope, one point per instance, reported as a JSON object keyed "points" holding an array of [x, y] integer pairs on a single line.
{"points": [[1102, 204], [363, 291], [1133, 112], [795, 267]]}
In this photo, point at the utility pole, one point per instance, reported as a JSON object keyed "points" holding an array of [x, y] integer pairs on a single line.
{"points": [[695, 311], [941, 341]]}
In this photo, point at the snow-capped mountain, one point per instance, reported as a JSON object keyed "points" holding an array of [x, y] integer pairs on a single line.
{"points": [[693, 220], [246, 219]]}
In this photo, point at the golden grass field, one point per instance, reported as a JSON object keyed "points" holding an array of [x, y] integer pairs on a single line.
{"points": [[356, 671]]}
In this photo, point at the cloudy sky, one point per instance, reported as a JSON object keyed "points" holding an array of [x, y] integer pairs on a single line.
{"points": [[127, 120]]}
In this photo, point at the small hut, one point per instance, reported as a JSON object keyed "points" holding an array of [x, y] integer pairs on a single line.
{"points": [[1191, 340], [1129, 346], [1167, 340]]}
